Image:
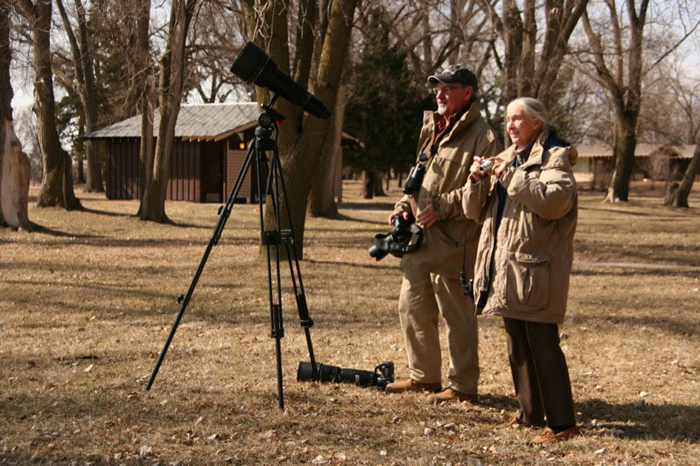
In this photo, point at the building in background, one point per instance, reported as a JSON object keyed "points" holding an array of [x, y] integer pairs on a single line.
{"points": [[211, 142]]}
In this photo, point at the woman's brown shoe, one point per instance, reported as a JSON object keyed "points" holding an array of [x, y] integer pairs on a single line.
{"points": [[550, 437]]}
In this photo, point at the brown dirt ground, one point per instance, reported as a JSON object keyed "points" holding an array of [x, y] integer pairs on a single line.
{"points": [[87, 302]]}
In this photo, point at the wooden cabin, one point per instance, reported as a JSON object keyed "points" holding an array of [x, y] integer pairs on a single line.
{"points": [[211, 142], [652, 161]]}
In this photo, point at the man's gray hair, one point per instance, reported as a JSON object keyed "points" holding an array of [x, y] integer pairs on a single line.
{"points": [[533, 108]]}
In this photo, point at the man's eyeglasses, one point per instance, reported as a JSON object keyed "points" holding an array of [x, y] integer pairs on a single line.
{"points": [[445, 90]]}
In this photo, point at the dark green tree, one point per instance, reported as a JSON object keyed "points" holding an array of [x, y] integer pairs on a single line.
{"points": [[385, 106]]}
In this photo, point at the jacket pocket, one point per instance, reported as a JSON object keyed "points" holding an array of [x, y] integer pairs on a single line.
{"points": [[527, 278]]}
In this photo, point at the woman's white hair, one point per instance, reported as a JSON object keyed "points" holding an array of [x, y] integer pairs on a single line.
{"points": [[532, 107]]}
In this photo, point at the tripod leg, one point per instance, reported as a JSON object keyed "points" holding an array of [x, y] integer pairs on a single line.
{"points": [[271, 239], [216, 235], [293, 260]]}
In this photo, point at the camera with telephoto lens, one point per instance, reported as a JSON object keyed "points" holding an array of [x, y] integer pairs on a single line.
{"points": [[382, 375], [405, 237], [415, 176], [253, 65], [486, 166]]}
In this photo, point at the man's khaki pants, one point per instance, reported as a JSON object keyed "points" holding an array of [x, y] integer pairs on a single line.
{"points": [[424, 297]]}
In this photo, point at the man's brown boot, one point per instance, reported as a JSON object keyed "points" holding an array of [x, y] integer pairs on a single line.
{"points": [[411, 385], [447, 396], [515, 422]]}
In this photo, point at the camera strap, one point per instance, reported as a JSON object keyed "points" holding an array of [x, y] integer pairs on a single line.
{"points": [[434, 143]]}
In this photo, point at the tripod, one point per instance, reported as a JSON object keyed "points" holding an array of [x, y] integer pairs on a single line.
{"points": [[272, 240]]}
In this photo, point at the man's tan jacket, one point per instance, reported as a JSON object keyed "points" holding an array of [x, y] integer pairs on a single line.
{"points": [[525, 264], [443, 247]]}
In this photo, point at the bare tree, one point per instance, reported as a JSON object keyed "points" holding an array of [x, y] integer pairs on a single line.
{"points": [[14, 164], [625, 88], [57, 184], [531, 62], [82, 83], [618, 61], [436, 32], [671, 110], [143, 92], [300, 152], [678, 193], [219, 31], [172, 73], [322, 197], [684, 106]]}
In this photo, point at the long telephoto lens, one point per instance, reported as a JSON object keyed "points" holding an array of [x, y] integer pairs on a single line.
{"points": [[334, 374], [254, 65]]}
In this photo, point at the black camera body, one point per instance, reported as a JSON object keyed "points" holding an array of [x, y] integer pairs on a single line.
{"points": [[415, 176], [405, 237], [383, 374], [414, 180]]}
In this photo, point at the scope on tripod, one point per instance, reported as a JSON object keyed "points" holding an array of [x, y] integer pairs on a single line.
{"points": [[382, 375], [254, 65]]}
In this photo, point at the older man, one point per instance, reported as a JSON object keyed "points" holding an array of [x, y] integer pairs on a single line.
{"points": [[450, 139]]}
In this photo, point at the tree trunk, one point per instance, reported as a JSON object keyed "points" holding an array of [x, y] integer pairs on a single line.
{"points": [[298, 142], [679, 196], [379, 184], [322, 197], [57, 185], [368, 177], [82, 56], [144, 91], [14, 164], [625, 145], [14, 179], [171, 84], [80, 168], [6, 92], [94, 181]]}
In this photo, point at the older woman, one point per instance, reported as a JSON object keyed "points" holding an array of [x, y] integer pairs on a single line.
{"points": [[527, 202]]}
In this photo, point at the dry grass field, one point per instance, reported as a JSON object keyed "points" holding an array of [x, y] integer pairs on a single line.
{"points": [[87, 303]]}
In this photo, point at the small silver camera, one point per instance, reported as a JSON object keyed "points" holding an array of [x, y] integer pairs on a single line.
{"points": [[486, 166]]}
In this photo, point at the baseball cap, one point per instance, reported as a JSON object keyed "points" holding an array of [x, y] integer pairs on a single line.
{"points": [[455, 74]]}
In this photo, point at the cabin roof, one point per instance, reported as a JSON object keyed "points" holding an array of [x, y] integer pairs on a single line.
{"points": [[204, 122]]}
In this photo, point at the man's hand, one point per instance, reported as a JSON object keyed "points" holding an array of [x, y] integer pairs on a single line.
{"points": [[395, 213], [427, 216]]}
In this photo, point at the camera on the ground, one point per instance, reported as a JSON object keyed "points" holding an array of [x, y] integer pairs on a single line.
{"points": [[383, 374]]}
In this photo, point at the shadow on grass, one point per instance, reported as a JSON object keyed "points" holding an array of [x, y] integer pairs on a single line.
{"points": [[367, 206], [370, 265], [346, 218], [36, 228], [683, 328], [107, 213], [642, 422], [617, 211], [615, 271]]}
